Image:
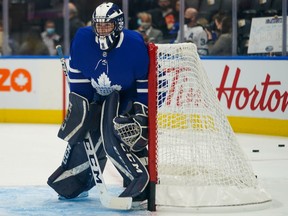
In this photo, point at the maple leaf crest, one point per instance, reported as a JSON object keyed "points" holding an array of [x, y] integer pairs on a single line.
{"points": [[103, 85], [104, 80]]}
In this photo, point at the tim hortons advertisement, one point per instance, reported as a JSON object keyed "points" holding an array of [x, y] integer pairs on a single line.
{"points": [[251, 88]]}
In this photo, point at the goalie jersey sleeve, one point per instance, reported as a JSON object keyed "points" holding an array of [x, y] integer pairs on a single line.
{"points": [[124, 68]]}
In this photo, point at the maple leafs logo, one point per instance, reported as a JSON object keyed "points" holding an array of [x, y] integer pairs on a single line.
{"points": [[104, 80], [103, 85]]}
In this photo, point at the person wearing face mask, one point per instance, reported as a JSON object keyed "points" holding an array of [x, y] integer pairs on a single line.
{"points": [[193, 32], [149, 33], [50, 37]]}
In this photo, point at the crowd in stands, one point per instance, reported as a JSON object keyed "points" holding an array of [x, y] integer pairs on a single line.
{"points": [[208, 24]]}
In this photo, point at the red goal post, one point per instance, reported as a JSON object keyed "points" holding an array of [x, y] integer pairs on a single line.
{"points": [[194, 157], [152, 112]]}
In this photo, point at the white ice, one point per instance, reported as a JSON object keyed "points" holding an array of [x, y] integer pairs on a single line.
{"points": [[31, 152]]}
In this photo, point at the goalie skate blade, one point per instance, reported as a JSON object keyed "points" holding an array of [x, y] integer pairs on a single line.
{"points": [[120, 203]]}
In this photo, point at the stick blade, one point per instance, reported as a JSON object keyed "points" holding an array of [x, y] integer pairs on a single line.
{"points": [[120, 203]]}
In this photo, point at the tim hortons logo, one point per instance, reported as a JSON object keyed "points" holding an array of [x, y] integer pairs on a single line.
{"points": [[261, 97], [179, 91]]}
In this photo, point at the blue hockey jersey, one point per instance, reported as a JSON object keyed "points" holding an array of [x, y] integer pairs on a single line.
{"points": [[124, 68]]}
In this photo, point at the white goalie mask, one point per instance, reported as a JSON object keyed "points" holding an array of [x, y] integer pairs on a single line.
{"points": [[107, 22]]}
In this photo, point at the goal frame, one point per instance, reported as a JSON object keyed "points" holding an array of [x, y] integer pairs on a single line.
{"points": [[255, 194]]}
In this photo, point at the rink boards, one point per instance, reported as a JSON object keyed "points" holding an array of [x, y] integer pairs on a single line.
{"points": [[253, 91]]}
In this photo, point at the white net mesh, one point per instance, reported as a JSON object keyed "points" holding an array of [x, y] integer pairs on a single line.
{"points": [[197, 152]]}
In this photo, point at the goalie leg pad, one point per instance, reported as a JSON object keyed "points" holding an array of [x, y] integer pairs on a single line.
{"points": [[143, 157], [80, 118], [123, 159], [74, 175], [71, 186]]}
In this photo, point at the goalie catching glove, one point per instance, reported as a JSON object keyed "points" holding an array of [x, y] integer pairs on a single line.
{"points": [[132, 130]]}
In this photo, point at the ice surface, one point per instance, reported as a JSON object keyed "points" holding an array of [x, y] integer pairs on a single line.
{"points": [[31, 152]]}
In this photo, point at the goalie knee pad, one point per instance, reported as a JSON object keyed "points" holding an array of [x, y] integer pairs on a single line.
{"points": [[80, 118]]}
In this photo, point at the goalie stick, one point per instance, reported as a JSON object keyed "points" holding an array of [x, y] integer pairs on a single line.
{"points": [[106, 199]]}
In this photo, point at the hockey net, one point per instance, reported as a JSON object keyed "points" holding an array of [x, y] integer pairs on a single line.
{"points": [[194, 158]]}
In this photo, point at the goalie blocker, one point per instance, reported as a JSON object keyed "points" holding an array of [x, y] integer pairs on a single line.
{"points": [[74, 175]]}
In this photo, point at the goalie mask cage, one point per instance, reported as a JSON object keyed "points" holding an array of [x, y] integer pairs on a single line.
{"points": [[194, 158]]}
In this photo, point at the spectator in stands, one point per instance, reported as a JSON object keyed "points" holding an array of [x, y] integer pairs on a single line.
{"points": [[9, 50], [176, 11], [33, 44], [137, 6], [50, 37], [223, 45], [163, 18], [214, 28], [1, 37], [145, 28], [175, 28], [193, 32], [74, 21], [218, 18]]}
